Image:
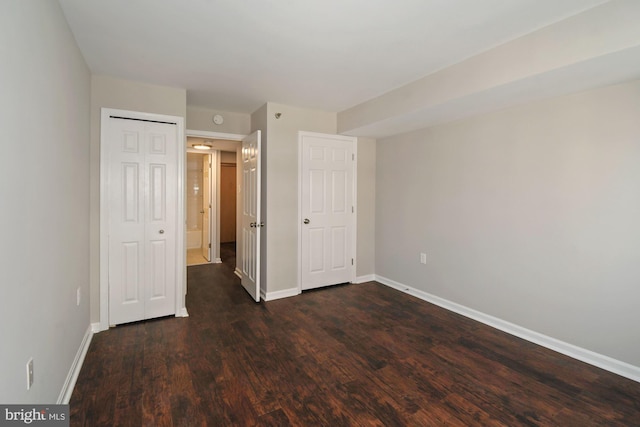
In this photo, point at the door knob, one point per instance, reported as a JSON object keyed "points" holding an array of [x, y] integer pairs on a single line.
{"points": [[161, 231], [202, 211], [253, 224], [306, 221]]}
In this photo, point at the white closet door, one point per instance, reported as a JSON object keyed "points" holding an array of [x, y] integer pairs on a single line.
{"points": [[142, 192], [161, 197]]}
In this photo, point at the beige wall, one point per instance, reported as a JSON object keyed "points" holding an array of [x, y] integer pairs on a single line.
{"points": [[365, 247], [44, 108], [279, 270], [280, 187], [528, 214], [109, 92], [199, 118]]}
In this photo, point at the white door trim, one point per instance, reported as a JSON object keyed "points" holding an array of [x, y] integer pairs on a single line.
{"points": [[212, 205], [214, 135], [181, 310], [355, 202]]}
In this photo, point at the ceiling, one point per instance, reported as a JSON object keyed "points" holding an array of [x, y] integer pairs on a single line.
{"points": [[235, 55], [216, 144]]}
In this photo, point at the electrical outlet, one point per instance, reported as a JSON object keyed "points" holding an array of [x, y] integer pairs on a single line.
{"points": [[423, 258], [78, 297], [29, 373]]}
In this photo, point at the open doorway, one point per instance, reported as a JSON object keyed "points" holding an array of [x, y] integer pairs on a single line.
{"points": [[248, 201], [228, 204], [211, 197], [198, 196]]}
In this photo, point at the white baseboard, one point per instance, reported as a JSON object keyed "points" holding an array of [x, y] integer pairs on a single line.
{"points": [[237, 273], [182, 312], [74, 371], [217, 261], [365, 278], [601, 361], [95, 327], [286, 293]]}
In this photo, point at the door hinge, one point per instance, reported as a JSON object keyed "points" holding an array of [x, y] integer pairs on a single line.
{"points": [[353, 156], [351, 261], [352, 209], [209, 245]]}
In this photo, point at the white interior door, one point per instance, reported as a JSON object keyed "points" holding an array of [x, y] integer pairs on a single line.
{"points": [[326, 209], [251, 219], [206, 207], [142, 197]]}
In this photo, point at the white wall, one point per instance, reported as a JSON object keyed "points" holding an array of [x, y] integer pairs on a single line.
{"points": [[591, 49], [528, 214], [44, 113], [200, 118], [109, 92]]}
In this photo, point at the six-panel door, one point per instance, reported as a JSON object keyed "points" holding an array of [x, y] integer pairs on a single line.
{"points": [[142, 183], [326, 209], [251, 218]]}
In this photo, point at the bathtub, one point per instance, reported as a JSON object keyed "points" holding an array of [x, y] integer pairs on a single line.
{"points": [[194, 239]]}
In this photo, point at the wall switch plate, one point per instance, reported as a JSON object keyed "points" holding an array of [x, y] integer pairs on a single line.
{"points": [[29, 373], [78, 296], [423, 258]]}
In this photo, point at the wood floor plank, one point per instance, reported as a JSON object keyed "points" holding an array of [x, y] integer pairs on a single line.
{"points": [[155, 390], [275, 418], [361, 355]]}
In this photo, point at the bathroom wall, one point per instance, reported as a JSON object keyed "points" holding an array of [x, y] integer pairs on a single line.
{"points": [[194, 200]]}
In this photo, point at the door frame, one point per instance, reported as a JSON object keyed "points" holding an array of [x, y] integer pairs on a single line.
{"points": [[354, 183], [181, 309], [214, 158], [215, 241], [212, 198], [221, 166]]}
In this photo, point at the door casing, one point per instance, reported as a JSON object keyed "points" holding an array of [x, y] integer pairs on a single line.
{"points": [[215, 202], [207, 203], [181, 310]]}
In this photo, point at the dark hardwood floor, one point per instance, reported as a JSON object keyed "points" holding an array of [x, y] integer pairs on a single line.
{"points": [[362, 355]]}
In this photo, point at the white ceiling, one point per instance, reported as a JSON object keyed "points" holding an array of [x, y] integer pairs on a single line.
{"points": [[235, 55], [216, 144]]}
